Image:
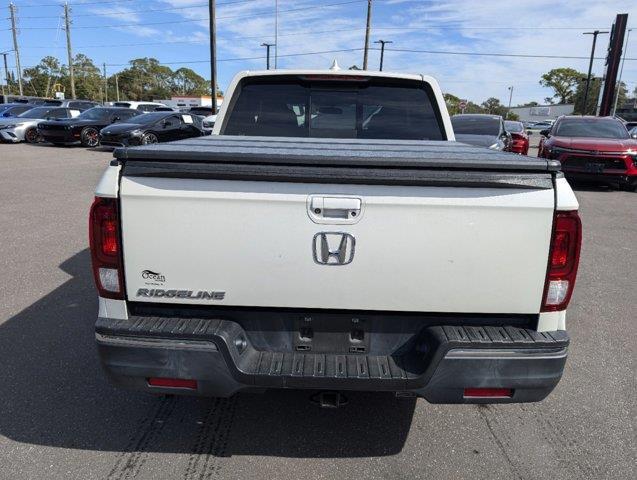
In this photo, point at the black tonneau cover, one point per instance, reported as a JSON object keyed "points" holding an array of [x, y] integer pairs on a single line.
{"points": [[328, 160]]}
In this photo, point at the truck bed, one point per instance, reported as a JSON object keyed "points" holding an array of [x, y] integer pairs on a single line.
{"points": [[352, 161]]}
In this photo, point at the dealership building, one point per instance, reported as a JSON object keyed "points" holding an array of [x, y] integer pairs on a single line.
{"points": [[542, 112]]}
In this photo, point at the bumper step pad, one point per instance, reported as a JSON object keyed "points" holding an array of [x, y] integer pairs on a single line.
{"points": [[412, 368]]}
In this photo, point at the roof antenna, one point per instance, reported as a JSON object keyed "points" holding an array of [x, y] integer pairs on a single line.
{"points": [[335, 66]]}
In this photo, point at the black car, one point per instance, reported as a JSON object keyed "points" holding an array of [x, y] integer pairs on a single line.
{"points": [[84, 128], [14, 109], [201, 111], [152, 127], [482, 130]]}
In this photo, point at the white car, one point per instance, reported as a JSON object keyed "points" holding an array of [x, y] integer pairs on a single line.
{"points": [[208, 123], [24, 126], [141, 106], [288, 251]]}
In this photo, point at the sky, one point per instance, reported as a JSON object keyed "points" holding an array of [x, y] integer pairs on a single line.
{"points": [[312, 33]]}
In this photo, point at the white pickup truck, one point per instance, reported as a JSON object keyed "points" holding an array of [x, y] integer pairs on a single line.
{"points": [[332, 235]]}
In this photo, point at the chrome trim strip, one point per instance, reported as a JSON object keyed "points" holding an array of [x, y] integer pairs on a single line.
{"points": [[515, 354], [155, 343]]}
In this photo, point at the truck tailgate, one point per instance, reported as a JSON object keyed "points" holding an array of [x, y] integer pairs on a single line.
{"points": [[405, 248]]}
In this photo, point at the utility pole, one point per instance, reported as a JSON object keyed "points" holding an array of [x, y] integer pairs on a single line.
{"points": [[15, 46], [117, 87], [590, 67], [6, 73], [69, 51], [382, 51], [213, 54], [510, 98], [267, 46], [105, 83], [621, 71], [276, 34], [367, 28]]}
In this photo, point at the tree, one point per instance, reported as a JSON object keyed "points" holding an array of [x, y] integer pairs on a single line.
{"points": [[39, 80], [88, 79], [186, 82], [563, 82], [145, 79], [493, 106], [593, 95]]}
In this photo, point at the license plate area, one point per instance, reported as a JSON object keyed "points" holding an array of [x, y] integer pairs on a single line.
{"points": [[595, 167], [319, 334]]}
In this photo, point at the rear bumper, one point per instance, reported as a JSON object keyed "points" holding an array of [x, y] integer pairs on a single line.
{"points": [[438, 365]]}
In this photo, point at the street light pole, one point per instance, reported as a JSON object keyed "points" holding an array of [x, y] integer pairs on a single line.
{"points": [[6, 72], [213, 54], [267, 46], [621, 71], [367, 28], [382, 51], [590, 67], [276, 34], [510, 98]]}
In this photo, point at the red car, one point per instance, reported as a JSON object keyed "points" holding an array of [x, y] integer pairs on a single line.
{"points": [[597, 149], [520, 139]]}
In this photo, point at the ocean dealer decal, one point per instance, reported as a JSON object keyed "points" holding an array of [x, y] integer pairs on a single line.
{"points": [[153, 276], [183, 294]]}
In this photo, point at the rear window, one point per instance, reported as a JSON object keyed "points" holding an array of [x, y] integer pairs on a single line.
{"points": [[374, 109], [514, 127], [475, 125]]}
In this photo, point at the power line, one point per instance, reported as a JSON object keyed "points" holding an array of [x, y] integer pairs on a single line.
{"points": [[147, 10], [195, 20], [484, 54]]}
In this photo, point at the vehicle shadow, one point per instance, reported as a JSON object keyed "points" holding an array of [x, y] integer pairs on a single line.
{"points": [[55, 394]]}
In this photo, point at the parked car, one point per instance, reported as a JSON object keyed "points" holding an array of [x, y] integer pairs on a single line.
{"points": [[24, 126], [519, 137], [592, 149], [326, 260], [85, 128], [544, 124], [208, 123], [80, 105], [633, 132], [482, 130], [141, 106], [201, 111], [14, 109], [631, 125], [153, 127]]}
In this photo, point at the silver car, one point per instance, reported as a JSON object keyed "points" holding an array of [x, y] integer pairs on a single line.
{"points": [[24, 126]]}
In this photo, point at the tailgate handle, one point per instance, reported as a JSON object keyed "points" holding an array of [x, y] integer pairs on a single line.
{"points": [[335, 207]]}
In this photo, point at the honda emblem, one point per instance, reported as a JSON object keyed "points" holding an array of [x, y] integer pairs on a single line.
{"points": [[333, 248]]}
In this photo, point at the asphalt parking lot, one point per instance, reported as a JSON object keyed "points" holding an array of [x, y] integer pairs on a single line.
{"points": [[60, 419]]}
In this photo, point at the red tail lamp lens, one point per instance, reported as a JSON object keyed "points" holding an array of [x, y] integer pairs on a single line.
{"points": [[563, 261]]}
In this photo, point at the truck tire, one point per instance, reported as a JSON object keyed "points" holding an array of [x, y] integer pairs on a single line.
{"points": [[90, 137], [149, 138], [31, 135]]}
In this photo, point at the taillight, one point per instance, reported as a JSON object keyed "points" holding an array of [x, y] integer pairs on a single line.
{"points": [[106, 248], [563, 261]]}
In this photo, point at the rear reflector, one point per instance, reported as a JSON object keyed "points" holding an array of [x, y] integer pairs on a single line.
{"points": [[172, 383], [563, 261], [488, 392]]}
